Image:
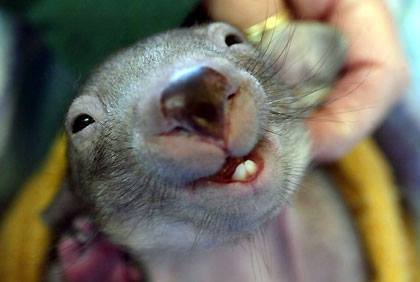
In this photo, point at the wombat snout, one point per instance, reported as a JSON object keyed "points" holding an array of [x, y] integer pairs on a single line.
{"points": [[197, 101]]}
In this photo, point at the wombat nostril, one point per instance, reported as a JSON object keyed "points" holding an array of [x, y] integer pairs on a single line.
{"points": [[196, 101], [233, 39], [232, 95]]}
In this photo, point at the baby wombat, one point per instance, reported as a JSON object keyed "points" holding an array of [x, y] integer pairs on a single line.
{"points": [[185, 149]]}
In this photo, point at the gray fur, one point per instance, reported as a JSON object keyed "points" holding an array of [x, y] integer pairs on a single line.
{"points": [[137, 191]]}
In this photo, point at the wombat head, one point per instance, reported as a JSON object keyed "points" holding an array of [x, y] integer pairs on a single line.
{"points": [[194, 136]]}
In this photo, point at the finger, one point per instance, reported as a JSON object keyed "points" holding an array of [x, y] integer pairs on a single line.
{"points": [[375, 77]]}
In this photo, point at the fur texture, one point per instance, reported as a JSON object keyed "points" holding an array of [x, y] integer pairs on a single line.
{"points": [[146, 190]]}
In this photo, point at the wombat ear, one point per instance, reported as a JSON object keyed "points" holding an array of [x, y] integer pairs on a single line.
{"points": [[307, 58]]}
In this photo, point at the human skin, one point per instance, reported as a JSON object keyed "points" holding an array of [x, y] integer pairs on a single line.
{"points": [[375, 74]]}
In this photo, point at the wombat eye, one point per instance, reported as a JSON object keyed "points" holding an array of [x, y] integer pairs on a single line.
{"points": [[80, 122], [232, 39]]}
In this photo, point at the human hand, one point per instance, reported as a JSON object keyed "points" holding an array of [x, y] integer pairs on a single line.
{"points": [[375, 72]]}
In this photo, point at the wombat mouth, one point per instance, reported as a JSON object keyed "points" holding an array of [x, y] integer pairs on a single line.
{"points": [[244, 169]]}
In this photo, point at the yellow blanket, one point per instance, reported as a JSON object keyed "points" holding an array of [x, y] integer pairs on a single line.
{"points": [[366, 183]]}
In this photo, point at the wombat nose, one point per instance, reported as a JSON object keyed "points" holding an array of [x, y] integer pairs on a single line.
{"points": [[196, 100]]}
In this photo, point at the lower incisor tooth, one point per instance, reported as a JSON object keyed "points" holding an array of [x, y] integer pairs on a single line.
{"points": [[240, 173], [251, 167], [244, 170]]}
